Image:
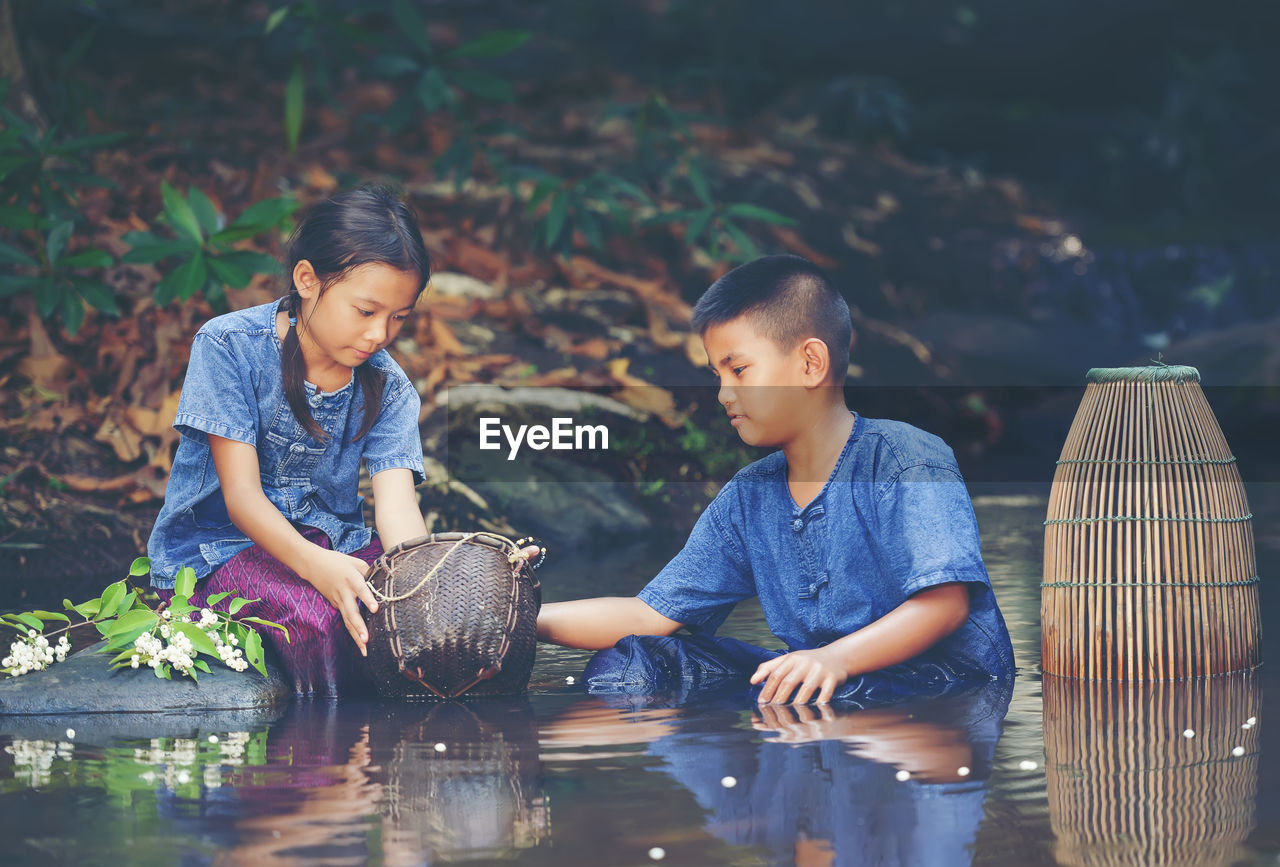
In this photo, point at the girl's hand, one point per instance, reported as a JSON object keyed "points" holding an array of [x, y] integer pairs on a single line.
{"points": [[340, 579], [803, 672]]}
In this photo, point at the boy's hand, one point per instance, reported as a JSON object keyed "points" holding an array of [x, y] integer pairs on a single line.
{"points": [[803, 672], [340, 579]]}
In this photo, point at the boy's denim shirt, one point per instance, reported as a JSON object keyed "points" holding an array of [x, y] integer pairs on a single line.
{"points": [[894, 518], [234, 389]]}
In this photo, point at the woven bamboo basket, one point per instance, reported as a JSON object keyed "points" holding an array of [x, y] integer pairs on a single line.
{"points": [[1150, 571], [1127, 785]]}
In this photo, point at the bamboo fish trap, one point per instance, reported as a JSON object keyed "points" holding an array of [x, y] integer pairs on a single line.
{"points": [[1152, 773], [1150, 571]]}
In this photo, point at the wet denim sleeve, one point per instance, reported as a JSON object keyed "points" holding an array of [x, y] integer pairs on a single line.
{"points": [[701, 584], [217, 395], [395, 440], [928, 530]]}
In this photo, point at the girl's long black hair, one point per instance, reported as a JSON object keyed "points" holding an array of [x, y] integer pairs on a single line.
{"points": [[369, 225]]}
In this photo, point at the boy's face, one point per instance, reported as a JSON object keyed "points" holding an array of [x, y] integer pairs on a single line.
{"points": [[762, 386]]}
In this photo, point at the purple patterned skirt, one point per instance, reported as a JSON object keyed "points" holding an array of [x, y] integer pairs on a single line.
{"points": [[320, 656]]}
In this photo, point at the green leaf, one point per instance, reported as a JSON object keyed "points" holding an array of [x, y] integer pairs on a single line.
{"points": [[178, 212], [111, 598], [140, 620], [749, 211], [261, 622], [202, 665], [199, 640], [162, 672], [492, 44], [589, 225], [253, 652], [555, 219], [12, 284], [51, 615], [266, 214], [228, 272], [412, 25], [236, 605], [150, 253], [126, 604], [204, 210], [217, 597], [97, 296], [17, 217], [31, 620], [9, 253], [88, 610], [274, 19], [698, 225], [698, 181], [432, 91], [746, 247], [140, 567], [57, 241], [72, 313], [185, 584], [295, 95], [482, 85], [89, 259], [88, 143], [191, 276]]}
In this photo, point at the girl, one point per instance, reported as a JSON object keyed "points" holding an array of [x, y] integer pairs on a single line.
{"points": [[280, 405]]}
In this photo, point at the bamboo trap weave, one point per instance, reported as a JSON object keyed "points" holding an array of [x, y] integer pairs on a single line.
{"points": [[1127, 786], [1150, 571]]}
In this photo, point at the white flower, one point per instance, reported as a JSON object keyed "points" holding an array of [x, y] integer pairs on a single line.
{"points": [[133, 661]]}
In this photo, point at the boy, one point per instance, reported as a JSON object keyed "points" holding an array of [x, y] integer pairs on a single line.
{"points": [[858, 536]]}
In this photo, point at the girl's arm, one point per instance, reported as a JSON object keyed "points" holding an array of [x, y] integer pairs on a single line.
{"points": [[339, 577], [395, 507]]}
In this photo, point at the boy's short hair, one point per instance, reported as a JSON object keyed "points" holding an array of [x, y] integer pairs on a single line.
{"points": [[789, 299]]}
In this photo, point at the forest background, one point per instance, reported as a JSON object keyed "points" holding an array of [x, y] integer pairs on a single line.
{"points": [[1009, 193]]}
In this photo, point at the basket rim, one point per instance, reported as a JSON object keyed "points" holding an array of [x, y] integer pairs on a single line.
{"points": [[1151, 373]]}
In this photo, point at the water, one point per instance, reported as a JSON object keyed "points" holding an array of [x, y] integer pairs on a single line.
{"points": [[1067, 775]]}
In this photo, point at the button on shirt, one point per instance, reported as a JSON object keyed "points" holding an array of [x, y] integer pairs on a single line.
{"points": [[233, 389], [894, 518]]}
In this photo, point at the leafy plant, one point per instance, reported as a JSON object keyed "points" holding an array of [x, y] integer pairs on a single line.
{"points": [[44, 267], [42, 170], [430, 80], [203, 244], [173, 636], [716, 227], [591, 205]]}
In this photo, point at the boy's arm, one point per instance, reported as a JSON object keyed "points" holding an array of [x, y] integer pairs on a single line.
{"points": [[595, 624], [907, 631]]}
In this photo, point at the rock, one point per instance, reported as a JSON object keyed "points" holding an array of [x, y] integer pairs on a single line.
{"points": [[85, 685], [461, 286]]}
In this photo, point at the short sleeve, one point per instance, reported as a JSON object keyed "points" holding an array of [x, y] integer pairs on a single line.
{"points": [[395, 441], [217, 394], [701, 584], [928, 530]]}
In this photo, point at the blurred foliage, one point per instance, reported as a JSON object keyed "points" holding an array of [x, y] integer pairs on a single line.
{"points": [[203, 245]]}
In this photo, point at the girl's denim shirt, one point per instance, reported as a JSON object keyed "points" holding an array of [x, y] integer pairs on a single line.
{"points": [[234, 389]]}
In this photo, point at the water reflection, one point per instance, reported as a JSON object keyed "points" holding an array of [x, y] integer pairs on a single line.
{"points": [[420, 782], [1152, 773], [815, 785]]}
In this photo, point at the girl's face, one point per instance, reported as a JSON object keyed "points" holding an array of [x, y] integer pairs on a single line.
{"points": [[353, 318]]}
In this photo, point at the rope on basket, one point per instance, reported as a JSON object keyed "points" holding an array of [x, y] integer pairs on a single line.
{"points": [[513, 557]]}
